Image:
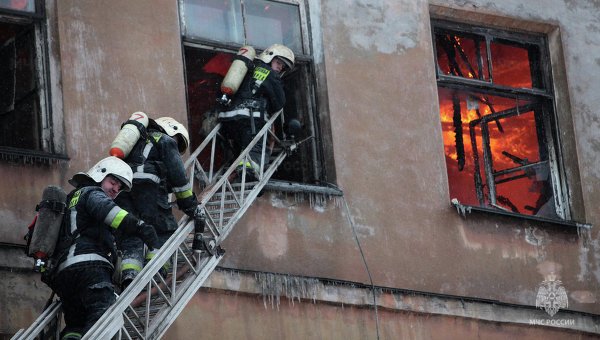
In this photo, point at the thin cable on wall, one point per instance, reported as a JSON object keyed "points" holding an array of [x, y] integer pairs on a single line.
{"points": [[365, 263]]}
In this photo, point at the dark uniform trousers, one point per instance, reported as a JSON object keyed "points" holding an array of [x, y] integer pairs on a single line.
{"points": [[86, 291]]}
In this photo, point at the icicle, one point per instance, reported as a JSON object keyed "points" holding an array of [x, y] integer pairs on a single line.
{"points": [[274, 285], [461, 209]]}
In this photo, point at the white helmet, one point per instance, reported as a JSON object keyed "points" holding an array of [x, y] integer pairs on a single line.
{"points": [[108, 166], [174, 128], [276, 50]]}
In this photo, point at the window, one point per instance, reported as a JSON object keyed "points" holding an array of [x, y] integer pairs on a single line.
{"points": [[498, 121], [25, 124], [214, 30]]}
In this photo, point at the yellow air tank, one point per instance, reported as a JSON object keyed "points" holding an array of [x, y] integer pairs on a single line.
{"points": [[237, 71], [128, 136]]}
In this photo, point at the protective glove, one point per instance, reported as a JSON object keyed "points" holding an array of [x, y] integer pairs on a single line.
{"points": [[199, 218], [191, 211], [147, 233], [199, 221]]}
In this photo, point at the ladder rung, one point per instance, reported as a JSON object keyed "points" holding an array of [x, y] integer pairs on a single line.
{"points": [[217, 206], [217, 212]]}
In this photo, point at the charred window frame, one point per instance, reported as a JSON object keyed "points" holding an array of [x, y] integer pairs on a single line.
{"points": [[26, 128], [212, 33], [497, 110]]}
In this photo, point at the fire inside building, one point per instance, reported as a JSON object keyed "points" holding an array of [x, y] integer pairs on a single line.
{"points": [[495, 141], [432, 174]]}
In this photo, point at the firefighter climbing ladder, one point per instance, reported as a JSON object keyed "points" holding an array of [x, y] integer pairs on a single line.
{"points": [[151, 303]]}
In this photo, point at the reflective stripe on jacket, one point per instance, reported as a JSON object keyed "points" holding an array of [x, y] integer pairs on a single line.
{"points": [[91, 218]]}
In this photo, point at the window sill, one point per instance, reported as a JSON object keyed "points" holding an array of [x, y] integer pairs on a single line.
{"points": [[23, 156], [463, 210], [284, 186]]}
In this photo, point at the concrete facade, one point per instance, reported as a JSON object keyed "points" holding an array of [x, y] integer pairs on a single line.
{"points": [[378, 77]]}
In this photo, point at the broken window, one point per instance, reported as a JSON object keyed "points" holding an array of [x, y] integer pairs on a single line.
{"points": [[496, 109], [25, 131], [213, 31]]}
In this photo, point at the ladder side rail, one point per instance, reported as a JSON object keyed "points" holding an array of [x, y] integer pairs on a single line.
{"points": [[49, 315], [114, 315], [213, 228], [18, 335], [213, 151], [221, 211], [187, 287], [144, 277], [197, 168], [216, 226], [166, 320], [250, 199], [171, 314], [209, 138], [262, 154], [243, 199], [209, 192], [131, 324], [148, 305]]}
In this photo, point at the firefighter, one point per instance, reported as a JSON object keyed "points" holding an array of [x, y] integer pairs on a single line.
{"points": [[260, 95], [157, 170], [85, 251]]}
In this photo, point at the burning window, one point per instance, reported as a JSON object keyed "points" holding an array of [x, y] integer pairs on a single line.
{"points": [[496, 110], [25, 131], [214, 31]]}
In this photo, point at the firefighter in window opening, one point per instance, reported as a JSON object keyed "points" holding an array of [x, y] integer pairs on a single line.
{"points": [[85, 252], [260, 94], [157, 170]]}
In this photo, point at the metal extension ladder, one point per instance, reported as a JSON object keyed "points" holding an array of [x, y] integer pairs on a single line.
{"points": [[151, 303]]}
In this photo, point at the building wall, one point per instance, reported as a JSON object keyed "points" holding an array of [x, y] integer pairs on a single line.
{"points": [[115, 58], [119, 57], [389, 163], [215, 314]]}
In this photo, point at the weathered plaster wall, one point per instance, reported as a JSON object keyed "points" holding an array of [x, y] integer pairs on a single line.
{"points": [[390, 164], [116, 58], [218, 315], [389, 157], [119, 57], [22, 294]]}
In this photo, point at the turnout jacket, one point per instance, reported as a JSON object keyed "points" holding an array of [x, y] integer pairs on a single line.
{"points": [[261, 92], [156, 161], [86, 236]]}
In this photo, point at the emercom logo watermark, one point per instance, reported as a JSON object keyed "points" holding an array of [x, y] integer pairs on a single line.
{"points": [[551, 297]]}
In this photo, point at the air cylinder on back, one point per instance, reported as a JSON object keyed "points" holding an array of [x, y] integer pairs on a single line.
{"points": [[47, 227], [237, 71], [128, 136]]}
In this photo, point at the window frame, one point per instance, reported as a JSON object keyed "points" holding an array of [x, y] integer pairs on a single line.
{"points": [[309, 76], [544, 97], [51, 144], [306, 48]]}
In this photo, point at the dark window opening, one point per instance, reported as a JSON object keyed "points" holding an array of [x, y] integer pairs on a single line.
{"points": [[19, 100], [26, 131], [497, 121], [213, 31], [205, 70]]}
